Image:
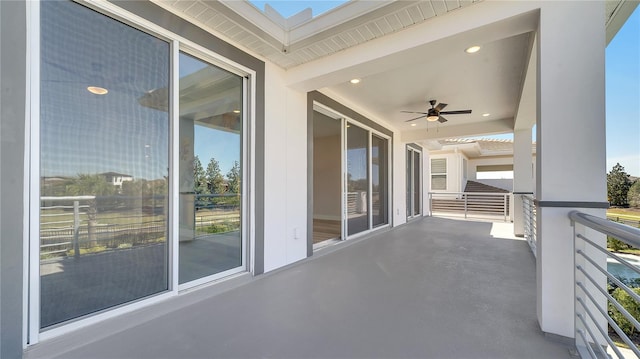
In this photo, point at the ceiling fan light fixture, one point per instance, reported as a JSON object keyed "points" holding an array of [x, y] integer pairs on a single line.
{"points": [[472, 50], [432, 118]]}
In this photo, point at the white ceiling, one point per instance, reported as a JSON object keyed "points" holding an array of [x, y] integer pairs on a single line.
{"points": [[490, 81]]}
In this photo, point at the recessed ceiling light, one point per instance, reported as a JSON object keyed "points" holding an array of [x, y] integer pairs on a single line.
{"points": [[414, 124], [236, 111], [472, 49], [97, 90], [355, 81], [486, 114]]}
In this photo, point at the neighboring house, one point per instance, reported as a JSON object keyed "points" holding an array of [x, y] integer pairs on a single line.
{"points": [[106, 85], [116, 179], [454, 162]]}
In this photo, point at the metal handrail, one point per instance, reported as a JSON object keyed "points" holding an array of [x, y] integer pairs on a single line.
{"points": [[591, 290], [622, 232], [471, 203], [530, 222]]}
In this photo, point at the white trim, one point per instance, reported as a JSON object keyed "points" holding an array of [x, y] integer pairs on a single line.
{"points": [[249, 147], [174, 163], [32, 168], [184, 287], [104, 314]]}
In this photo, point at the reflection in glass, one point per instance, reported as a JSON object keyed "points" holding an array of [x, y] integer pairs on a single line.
{"points": [[103, 163], [210, 169], [379, 164], [357, 179]]}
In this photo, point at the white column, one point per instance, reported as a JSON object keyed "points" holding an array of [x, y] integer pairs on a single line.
{"points": [[522, 175], [570, 147]]}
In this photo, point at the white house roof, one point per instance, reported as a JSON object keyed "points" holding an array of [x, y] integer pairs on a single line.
{"points": [[477, 147]]}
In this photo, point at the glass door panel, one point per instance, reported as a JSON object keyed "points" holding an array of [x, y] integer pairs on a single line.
{"points": [[104, 159], [357, 179], [210, 163], [409, 183], [417, 210], [379, 166], [414, 183]]}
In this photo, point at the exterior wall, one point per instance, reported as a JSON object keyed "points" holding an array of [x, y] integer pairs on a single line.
{"points": [[399, 185], [454, 171], [285, 172], [13, 72]]}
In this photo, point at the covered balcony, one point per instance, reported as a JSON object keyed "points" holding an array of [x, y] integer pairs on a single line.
{"points": [[434, 288]]}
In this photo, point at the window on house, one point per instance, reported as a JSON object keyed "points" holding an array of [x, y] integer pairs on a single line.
{"points": [[438, 174]]}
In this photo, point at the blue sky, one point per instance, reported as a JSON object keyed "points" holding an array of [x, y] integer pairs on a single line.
{"points": [[287, 8], [623, 97]]}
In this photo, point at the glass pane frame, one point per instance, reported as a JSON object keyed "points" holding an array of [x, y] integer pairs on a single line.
{"points": [[414, 182], [32, 333], [389, 156]]}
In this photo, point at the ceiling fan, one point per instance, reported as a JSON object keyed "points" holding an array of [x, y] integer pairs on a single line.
{"points": [[435, 112]]}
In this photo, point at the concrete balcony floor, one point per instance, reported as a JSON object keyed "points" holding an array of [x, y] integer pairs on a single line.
{"points": [[434, 288]]}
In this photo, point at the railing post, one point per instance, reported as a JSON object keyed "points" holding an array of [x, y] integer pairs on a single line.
{"points": [[578, 278], [504, 205], [76, 229], [465, 204]]}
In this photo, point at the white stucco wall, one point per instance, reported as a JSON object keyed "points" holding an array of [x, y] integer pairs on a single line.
{"points": [[285, 172], [454, 171]]}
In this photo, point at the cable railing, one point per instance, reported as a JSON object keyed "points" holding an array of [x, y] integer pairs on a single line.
{"points": [[529, 211], [601, 316], [477, 204]]}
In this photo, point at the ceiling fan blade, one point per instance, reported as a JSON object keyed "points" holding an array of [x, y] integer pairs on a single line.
{"points": [[413, 119], [442, 119], [455, 112], [424, 113], [440, 106]]}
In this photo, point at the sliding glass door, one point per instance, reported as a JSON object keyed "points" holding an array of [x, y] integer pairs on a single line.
{"points": [[379, 181], [104, 159], [366, 179], [357, 179], [414, 182], [210, 169], [124, 124]]}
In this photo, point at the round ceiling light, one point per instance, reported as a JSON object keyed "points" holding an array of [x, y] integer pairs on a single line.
{"points": [[236, 111], [355, 81], [486, 114], [414, 124], [472, 49], [97, 90]]}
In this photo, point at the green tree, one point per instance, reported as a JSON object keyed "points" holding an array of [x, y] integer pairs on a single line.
{"points": [[618, 184], [633, 196], [215, 179], [90, 185], [628, 303], [199, 178], [233, 178]]}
